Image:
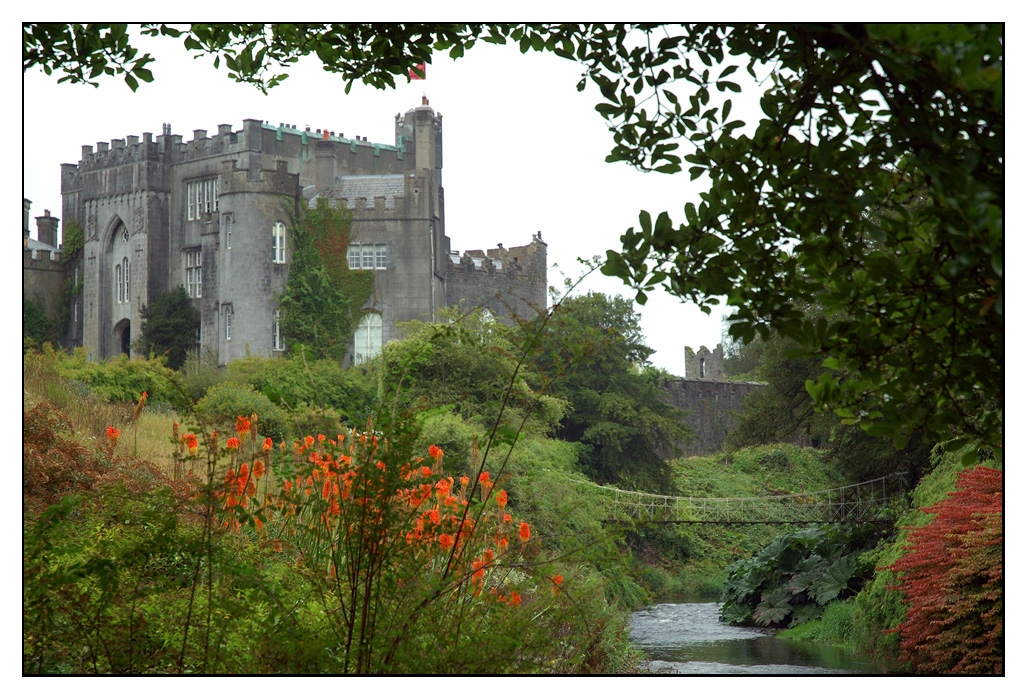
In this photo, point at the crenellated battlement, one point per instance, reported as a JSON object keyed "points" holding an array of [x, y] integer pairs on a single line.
{"points": [[119, 152], [500, 260], [504, 280]]}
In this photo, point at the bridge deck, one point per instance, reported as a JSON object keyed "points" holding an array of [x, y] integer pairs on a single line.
{"points": [[868, 501]]}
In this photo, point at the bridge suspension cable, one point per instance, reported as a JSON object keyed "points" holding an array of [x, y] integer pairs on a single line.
{"points": [[867, 501]]}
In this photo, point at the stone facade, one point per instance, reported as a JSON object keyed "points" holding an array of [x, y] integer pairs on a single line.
{"points": [[212, 215], [710, 405]]}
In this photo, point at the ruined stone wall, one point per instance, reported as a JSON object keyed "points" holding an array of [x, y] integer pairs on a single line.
{"points": [[710, 405]]}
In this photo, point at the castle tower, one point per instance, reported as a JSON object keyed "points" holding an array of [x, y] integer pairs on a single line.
{"points": [[118, 195]]}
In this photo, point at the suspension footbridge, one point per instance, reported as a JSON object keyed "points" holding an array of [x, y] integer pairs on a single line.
{"points": [[877, 500]]}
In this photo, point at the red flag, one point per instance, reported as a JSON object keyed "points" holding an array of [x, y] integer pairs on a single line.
{"points": [[415, 76]]}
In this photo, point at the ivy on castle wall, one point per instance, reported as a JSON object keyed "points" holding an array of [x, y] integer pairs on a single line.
{"points": [[323, 298], [72, 243]]}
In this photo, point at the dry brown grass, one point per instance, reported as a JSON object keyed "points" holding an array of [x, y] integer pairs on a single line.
{"points": [[89, 416]]}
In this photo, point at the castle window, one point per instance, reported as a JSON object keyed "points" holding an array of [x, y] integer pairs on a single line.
{"points": [[228, 232], [125, 265], [367, 341], [228, 323], [201, 198], [194, 273], [198, 343], [276, 331], [75, 311], [367, 256], [278, 242], [118, 280]]}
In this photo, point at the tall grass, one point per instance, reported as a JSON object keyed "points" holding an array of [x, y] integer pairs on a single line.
{"points": [[91, 414]]}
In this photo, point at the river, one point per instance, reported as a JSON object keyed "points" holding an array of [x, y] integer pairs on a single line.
{"points": [[688, 638]]}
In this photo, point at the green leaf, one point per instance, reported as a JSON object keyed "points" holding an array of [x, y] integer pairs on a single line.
{"points": [[835, 580], [773, 608]]}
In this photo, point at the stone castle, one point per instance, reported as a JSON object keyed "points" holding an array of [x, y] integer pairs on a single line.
{"points": [[212, 215]]}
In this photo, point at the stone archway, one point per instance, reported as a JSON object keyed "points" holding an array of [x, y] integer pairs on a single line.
{"points": [[111, 289], [121, 338]]}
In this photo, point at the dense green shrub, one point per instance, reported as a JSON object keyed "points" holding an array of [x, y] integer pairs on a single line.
{"points": [[468, 365], [199, 373], [313, 420], [791, 580], [116, 379], [292, 381], [225, 401]]}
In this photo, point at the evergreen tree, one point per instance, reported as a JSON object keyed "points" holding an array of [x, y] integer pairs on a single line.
{"points": [[35, 325], [169, 327]]}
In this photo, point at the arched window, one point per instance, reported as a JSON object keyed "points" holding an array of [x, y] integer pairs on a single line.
{"points": [[125, 265], [367, 341], [278, 242], [118, 281]]}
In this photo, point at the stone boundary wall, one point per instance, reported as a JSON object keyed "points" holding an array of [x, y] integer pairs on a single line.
{"points": [[710, 405]]}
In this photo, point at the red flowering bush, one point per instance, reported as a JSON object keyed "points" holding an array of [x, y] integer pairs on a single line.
{"points": [[951, 577]]}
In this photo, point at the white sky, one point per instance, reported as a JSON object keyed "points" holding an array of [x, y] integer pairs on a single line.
{"points": [[523, 151]]}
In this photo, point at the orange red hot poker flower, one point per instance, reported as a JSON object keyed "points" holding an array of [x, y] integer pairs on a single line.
{"points": [[335, 480], [242, 427]]}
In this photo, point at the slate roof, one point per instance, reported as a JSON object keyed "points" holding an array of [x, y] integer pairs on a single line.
{"points": [[368, 186], [33, 244]]}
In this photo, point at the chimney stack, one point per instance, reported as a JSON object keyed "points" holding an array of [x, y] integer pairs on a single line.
{"points": [[46, 226]]}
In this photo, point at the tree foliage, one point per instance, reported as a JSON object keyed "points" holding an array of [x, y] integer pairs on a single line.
{"points": [[322, 301], [783, 411], [169, 326], [951, 577], [872, 184], [594, 342], [36, 326]]}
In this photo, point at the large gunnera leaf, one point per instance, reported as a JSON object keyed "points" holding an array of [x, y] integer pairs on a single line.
{"points": [[835, 580], [773, 608]]}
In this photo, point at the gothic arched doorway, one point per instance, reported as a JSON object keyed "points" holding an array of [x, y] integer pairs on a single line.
{"points": [[121, 339]]}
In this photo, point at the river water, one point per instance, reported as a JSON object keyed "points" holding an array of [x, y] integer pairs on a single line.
{"points": [[688, 638]]}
